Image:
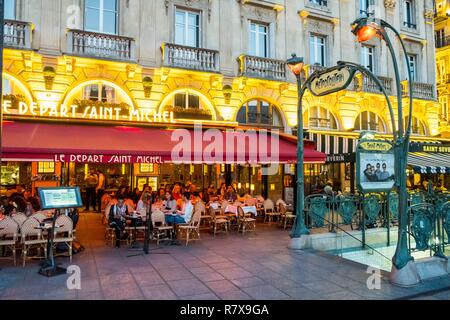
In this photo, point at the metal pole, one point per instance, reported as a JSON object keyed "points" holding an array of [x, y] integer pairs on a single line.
{"points": [[402, 256], [299, 227]]}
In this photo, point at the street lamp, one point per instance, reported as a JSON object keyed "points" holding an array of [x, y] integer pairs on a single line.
{"points": [[365, 29], [296, 65]]}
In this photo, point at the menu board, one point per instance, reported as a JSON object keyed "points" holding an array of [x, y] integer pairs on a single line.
{"points": [[60, 198]]}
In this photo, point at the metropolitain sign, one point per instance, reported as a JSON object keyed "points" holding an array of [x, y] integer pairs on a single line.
{"points": [[101, 158], [89, 112]]}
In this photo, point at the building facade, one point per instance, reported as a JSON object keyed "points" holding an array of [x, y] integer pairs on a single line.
{"points": [[442, 32], [220, 61]]}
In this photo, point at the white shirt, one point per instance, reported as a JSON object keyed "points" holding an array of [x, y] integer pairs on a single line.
{"points": [[188, 210]]}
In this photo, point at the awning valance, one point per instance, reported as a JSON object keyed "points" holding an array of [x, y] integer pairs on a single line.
{"points": [[105, 144], [429, 162]]}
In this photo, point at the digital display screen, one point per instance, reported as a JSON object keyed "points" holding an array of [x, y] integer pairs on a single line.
{"points": [[60, 198]]}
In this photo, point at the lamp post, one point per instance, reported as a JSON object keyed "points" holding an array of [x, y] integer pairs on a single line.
{"points": [[296, 65], [365, 29]]}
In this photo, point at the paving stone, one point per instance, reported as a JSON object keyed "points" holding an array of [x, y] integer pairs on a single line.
{"points": [[248, 282], [221, 286], [175, 273], [122, 292], [188, 287], [148, 279], [234, 295], [234, 273], [158, 292], [265, 292]]}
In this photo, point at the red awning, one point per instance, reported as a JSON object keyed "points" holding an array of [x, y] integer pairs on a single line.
{"points": [[101, 144]]}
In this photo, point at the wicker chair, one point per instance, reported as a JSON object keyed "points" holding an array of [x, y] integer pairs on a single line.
{"points": [[64, 234], [160, 228], [245, 223], [39, 216], [286, 217], [191, 231], [218, 222], [32, 237], [20, 218], [269, 210], [9, 230], [205, 218]]}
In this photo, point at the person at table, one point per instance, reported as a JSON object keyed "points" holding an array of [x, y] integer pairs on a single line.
{"points": [[100, 189], [117, 220], [185, 214], [91, 183], [212, 195], [143, 205], [222, 191], [169, 204], [136, 195], [161, 195], [176, 192], [230, 195]]}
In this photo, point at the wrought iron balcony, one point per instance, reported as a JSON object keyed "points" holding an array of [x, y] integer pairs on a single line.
{"points": [[92, 44], [423, 91], [192, 58], [368, 85], [264, 68], [17, 34], [442, 42]]}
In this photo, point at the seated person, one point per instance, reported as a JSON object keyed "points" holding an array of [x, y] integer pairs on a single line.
{"points": [[185, 214], [117, 221], [170, 204], [230, 195]]}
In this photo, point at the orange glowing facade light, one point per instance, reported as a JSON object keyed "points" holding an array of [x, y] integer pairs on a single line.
{"points": [[296, 64]]}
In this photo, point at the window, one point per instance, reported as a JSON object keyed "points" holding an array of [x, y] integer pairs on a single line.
{"points": [[187, 28], [101, 16], [417, 126], [319, 117], [317, 50], [443, 101], [319, 2], [369, 121], [186, 101], [259, 40], [365, 7], [440, 71], [99, 92], [10, 9], [412, 60], [46, 167], [409, 14], [146, 168], [440, 38], [367, 57], [259, 112], [7, 87]]}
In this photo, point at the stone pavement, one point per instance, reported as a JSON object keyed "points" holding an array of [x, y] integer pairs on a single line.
{"points": [[230, 267]]}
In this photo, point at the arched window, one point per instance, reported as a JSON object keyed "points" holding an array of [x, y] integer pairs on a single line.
{"points": [[417, 126], [370, 121], [261, 113], [13, 90], [188, 105], [319, 118], [99, 92]]}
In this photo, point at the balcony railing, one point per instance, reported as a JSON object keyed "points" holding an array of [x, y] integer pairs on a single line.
{"points": [[192, 58], [257, 67], [410, 25], [442, 42], [17, 34], [443, 81], [423, 91], [368, 85], [315, 67], [85, 43]]}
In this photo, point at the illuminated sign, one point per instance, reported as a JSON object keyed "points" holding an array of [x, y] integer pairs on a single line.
{"points": [[375, 145], [101, 158], [417, 147], [331, 80], [89, 112]]}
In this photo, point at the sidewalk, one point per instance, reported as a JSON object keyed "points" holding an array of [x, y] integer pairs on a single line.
{"points": [[230, 267]]}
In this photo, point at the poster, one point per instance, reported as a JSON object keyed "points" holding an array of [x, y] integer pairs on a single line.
{"points": [[56, 198], [376, 171]]}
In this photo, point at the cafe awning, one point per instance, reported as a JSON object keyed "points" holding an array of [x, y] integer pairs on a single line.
{"points": [[23, 141], [429, 162]]}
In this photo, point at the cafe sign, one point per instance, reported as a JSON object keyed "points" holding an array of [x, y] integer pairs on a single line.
{"points": [[331, 80], [115, 113]]}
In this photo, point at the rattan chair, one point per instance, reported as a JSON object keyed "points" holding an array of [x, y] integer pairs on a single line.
{"points": [[245, 223], [20, 218], [9, 230], [191, 231], [286, 217], [269, 210], [161, 231], [39, 216], [65, 233], [32, 237], [219, 222]]}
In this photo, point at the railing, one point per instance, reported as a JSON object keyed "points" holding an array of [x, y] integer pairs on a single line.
{"points": [[368, 85], [320, 123], [442, 42], [423, 91], [257, 67], [192, 58], [322, 3], [93, 44], [315, 67], [444, 80], [409, 25], [17, 34]]}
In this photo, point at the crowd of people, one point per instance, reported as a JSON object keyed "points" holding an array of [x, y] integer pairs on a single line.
{"points": [[176, 202], [19, 200]]}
